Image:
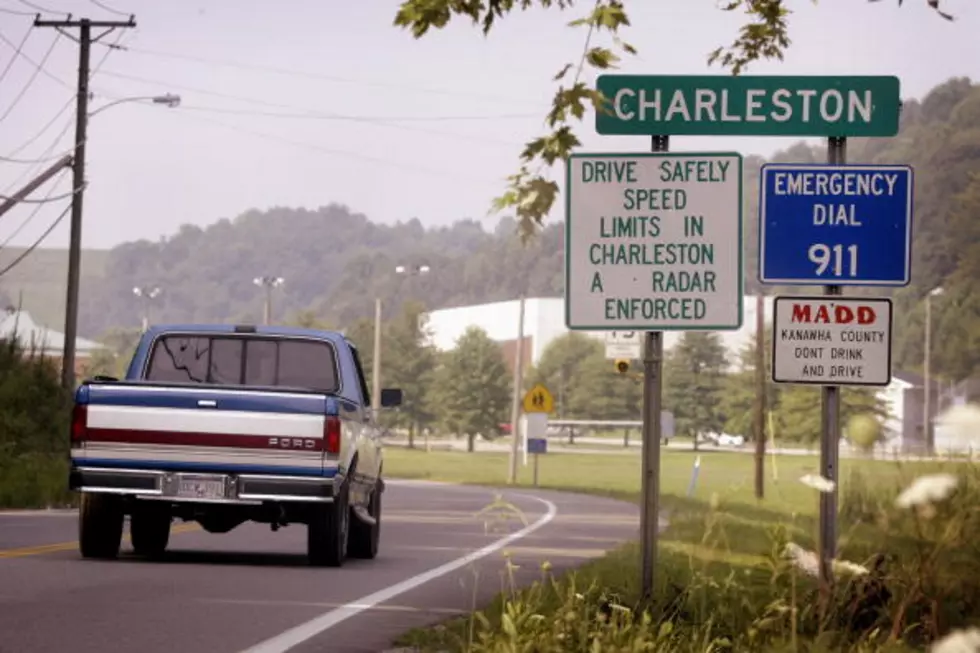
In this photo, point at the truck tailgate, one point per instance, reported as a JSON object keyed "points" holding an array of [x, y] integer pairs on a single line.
{"points": [[203, 429]]}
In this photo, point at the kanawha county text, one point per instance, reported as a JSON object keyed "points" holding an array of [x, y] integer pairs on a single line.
{"points": [[654, 241], [836, 341]]}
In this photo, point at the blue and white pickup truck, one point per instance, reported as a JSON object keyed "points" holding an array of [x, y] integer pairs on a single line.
{"points": [[227, 424]]}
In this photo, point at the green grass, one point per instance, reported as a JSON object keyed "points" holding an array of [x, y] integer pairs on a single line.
{"points": [[42, 276], [719, 533], [729, 474]]}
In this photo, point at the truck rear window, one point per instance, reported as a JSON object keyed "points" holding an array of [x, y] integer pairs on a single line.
{"points": [[249, 361]]}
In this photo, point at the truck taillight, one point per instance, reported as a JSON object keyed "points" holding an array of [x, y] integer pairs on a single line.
{"points": [[79, 416], [331, 434]]}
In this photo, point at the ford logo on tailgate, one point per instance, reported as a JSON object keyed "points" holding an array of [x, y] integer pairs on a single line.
{"points": [[292, 443]]}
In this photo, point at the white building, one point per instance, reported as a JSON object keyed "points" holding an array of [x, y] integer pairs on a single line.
{"points": [[46, 342], [544, 320]]}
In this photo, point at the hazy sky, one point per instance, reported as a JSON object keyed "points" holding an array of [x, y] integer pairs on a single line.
{"points": [[393, 127]]}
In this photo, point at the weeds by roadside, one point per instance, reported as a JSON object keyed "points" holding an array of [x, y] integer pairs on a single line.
{"points": [[33, 430], [908, 577]]}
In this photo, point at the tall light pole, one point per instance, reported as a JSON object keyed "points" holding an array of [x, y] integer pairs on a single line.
{"points": [[78, 189], [147, 294], [927, 380], [402, 270], [515, 400], [269, 283]]}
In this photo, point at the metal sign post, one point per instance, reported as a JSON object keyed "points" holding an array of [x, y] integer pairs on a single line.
{"points": [[536, 446], [653, 243], [834, 225], [622, 222]]}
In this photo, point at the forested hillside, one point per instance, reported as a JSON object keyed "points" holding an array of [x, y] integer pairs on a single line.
{"points": [[336, 261]]}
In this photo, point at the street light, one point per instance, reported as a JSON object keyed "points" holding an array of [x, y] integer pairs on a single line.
{"points": [[169, 100], [926, 407], [401, 270], [268, 283], [147, 295], [75, 239]]}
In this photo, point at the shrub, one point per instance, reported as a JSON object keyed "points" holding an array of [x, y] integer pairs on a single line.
{"points": [[34, 418]]}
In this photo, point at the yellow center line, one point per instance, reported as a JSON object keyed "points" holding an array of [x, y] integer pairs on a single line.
{"points": [[41, 549]]}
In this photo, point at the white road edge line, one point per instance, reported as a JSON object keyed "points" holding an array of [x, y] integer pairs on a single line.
{"points": [[306, 631]]}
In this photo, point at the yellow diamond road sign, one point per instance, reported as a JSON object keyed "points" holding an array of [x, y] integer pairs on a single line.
{"points": [[538, 400]]}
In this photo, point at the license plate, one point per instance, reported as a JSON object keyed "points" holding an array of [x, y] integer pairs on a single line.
{"points": [[201, 488]]}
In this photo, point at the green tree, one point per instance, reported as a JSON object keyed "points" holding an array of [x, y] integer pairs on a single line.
{"points": [[361, 333], [694, 383], [741, 389], [600, 393], [560, 367], [307, 319], [799, 417], [530, 195], [409, 362], [473, 387]]}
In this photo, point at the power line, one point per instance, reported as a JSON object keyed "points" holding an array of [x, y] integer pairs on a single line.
{"points": [[384, 122], [43, 200], [33, 63], [27, 252], [320, 116], [46, 156], [14, 12], [336, 152], [105, 7], [43, 9], [33, 77], [11, 158], [20, 47], [310, 75], [32, 214]]}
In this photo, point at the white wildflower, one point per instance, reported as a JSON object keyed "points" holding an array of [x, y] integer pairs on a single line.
{"points": [[818, 482], [959, 641], [805, 561], [845, 567], [809, 563], [926, 490]]}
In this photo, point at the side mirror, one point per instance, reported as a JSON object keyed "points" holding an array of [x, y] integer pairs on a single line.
{"points": [[391, 397], [104, 378]]}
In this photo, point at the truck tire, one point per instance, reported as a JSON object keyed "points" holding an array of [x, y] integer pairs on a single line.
{"points": [[327, 532], [100, 526], [364, 537], [149, 528]]}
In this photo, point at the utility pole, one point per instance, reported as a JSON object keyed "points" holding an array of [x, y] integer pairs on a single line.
{"points": [[760, 394], [85, 40], [147, 295], [515, 406], [268, 283], [927, 409], [376, 363]]}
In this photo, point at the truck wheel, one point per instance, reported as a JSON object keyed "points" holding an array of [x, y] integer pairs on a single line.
{"points": [[364, 537], [327, 532], [100, 526], [149, 529]]}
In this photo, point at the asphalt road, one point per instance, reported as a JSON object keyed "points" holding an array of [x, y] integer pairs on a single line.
{"points": [[251, 591]]}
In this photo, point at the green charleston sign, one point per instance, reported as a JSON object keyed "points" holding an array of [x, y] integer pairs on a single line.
{"points": [[723, 105]]}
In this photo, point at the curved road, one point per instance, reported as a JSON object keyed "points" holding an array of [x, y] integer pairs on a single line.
{"points": [[251, 591]]}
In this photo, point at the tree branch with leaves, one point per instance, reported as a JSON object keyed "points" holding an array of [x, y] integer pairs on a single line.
{"points": [[530, 195]]}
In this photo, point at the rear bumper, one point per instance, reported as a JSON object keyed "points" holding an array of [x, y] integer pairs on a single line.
{"points": [[229, 488]]}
